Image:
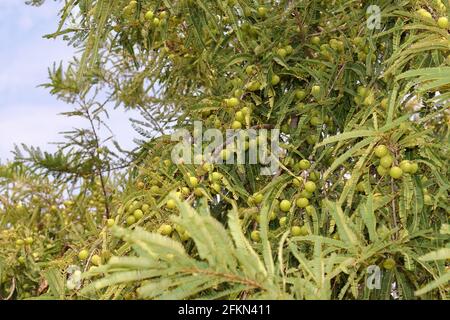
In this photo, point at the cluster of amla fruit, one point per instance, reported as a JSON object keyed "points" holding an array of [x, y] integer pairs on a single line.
{"points": [[386, 162]]}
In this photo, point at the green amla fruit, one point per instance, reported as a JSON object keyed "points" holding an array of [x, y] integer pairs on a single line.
{"points": [[171, 204], [285, 205], [396, 172], [255, 236], [131, 220], [110, 223], [443, 22], [300, 94], [304, 164], [381, 151], [236, 125], [96, 260], [275, 80], [310, 186], [389, 264], [165, 229], [138, 214], [386, 161], [258, 198], [83, 254], [296, 231], [382, 171], [283, 221], [302, 202], [232, 102]]}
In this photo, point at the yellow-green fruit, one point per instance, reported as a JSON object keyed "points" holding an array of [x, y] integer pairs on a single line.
{"points": [[262, 12], [154, 189], [275, 80], [306, 194], [304, 164], [396, 172], [21, 260], [96, 260], [145, 207], [236, 125], [138, 214], [283, 221], [289, 49], [315, 40], [381, 151], [427, 199], [443, 22], [156, 22], [171, 204], [300, 94], [382, 170], [193, 181], [384, 103], [304, 230], [272, 216], [149, 15], [131, 220], [296, 231], [185, 191], [232, 102], [389, 264], [216, 187], [386, 161], [198, 192], [315, 90], [110, 223], [83, 254], [19, 242], [225, 154], [216, 176], [255, 236], [165, 229], [258, 198], [406, 166], [310, 209], [282, 52], [28, 240], [302, 202], [414, 168], [425, 14], [310, 186], [285, 205], [239, 116], [297, 181]]}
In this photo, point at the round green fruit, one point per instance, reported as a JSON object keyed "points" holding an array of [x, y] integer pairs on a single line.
{"points": [[96, 260], [165, 229], [386, 161], [171, 204], [193, 182], [283, 221], [255, 236], [149, 15], [406, 166], [296, 231], [138, 214], [389, 264], [285, 205], [110, 223], [443, 22], [282, 52], [310, 186], [275, 80], [300, 94], [258, 198], [304, 164], [302, 202], [382, 171], [236, 125], [232, 102], [381, 151], [396, 172], [131, 220], [83, 254]]}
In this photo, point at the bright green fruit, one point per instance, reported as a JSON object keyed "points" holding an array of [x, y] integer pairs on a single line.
{"points": [[302, 202], [255, 236], [83, 254], [381, 151], [193, 182], [28, 241], [275, 80], [250, 70], [425, 14], [386, 161], [283, 221], [315, 40], [304, 164], [296, 231], [19, 242], [282, 52], [414, 168], [145, 207], [289, 49], [427, 199], [165, 229], [171, 204], [285, 205], [300, 94], [239, 116], [396, 172], [96, 260], [406, 166], [306, 194], [149, 15], [310, 186], [138, 214], [232, 102], [154, 189], [262, 12], [110, 223], [258, 198], [236, 125], [272, 216], [131, 220], [389, 264], [443, 22], [382, 170], [297, 181], [216, 176]]}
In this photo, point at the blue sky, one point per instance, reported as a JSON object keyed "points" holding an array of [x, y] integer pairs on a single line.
{"points": [[28, 113]]}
